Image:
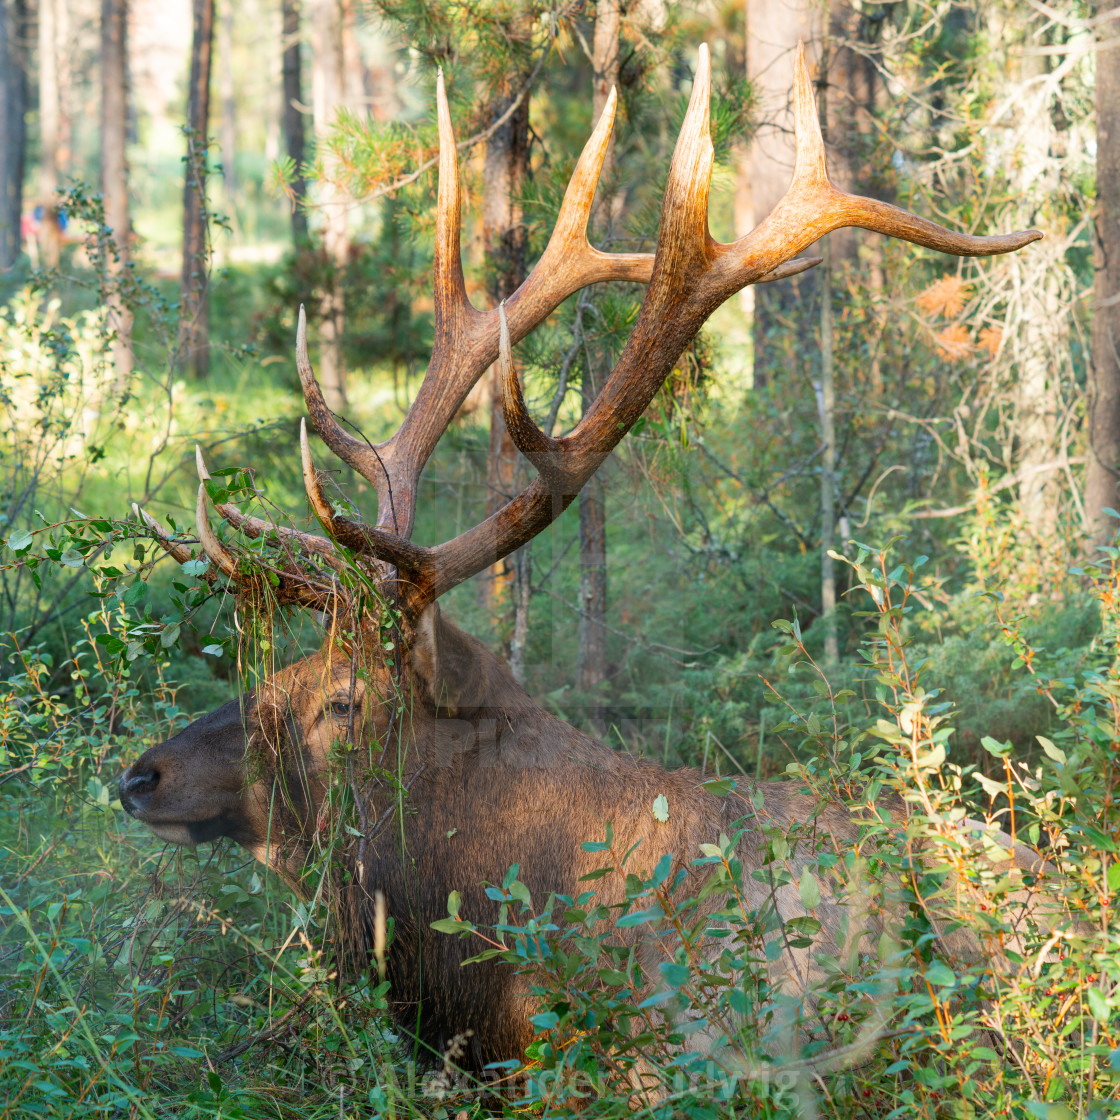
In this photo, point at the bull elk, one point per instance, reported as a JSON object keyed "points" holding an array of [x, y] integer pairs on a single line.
{"points": [[461, 773]]}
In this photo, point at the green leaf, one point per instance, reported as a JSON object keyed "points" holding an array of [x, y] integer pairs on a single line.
{"points": [[720, 786], [994, 746], [452, 925], [169, 636], [809, 890], [673, 974], [1098, 1005], [19, 541], [195, 568], [661, 871], [640, 917], [1114, 876], [72, 558], [1056, 753], [454, 901], [991, 788], [485, 955], [1046, 1111], [940, 974], [660, 808], [213, 650], [613, 976], [134, 593], [1097, 838]]}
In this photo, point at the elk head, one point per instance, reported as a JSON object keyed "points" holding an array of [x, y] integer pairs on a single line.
{"points": [[221, 775]]}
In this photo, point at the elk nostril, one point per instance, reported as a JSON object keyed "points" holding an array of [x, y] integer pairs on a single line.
{"points": [[138, 784], [144, 782]]}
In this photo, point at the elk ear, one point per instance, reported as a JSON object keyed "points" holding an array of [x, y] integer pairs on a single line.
{"points": [[445, 661], [425, 649]]}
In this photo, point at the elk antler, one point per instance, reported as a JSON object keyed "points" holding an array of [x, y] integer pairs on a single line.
{"points": [[466, 340], [692, 275], [689, 275]]}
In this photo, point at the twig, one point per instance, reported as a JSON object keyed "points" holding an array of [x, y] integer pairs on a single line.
{"points": [[1007, 483]]}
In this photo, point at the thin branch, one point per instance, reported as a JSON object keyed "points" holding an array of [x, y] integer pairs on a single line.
{"points": [[1006, 484]]}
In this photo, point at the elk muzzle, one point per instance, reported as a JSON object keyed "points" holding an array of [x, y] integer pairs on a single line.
{"points": [[192, 788]]}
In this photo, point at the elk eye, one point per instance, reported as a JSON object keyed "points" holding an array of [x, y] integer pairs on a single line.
{"points": [[340, 708]]}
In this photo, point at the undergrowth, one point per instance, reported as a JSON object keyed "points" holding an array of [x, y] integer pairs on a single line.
{"points": [[139, 982]]}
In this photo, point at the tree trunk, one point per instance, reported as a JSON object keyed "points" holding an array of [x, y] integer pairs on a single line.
{"points": [[293, 116], [504, 243], [1101, 486], [327, 80], [50, 236], [827, 405], [194, 325], [13, 107], [1043, 341], [114, 175], [228, 128], [592, 669], [1036, 409], [743, 201], [774, 28]]}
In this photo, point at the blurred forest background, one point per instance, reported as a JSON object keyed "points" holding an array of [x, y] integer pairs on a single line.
{"points": [[183, 178], [178, 176]]}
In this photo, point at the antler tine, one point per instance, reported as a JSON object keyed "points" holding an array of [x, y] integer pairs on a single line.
{"points": [[810, 164], [813, 206], [213, 547], [569, 261], [452, 306], [387, 547], [319, 504], [395, 486], [295, 586], [257, 527], [350, 450], [178, 552], [539, 448]]}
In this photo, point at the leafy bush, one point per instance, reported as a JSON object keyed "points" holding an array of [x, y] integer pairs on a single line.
{"points": [[966, 1005]]}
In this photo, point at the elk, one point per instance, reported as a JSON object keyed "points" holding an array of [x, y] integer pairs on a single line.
{"points": [[463, 774]]}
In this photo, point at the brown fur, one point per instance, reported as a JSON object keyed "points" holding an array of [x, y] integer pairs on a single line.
{"points": [[493, 779]]}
